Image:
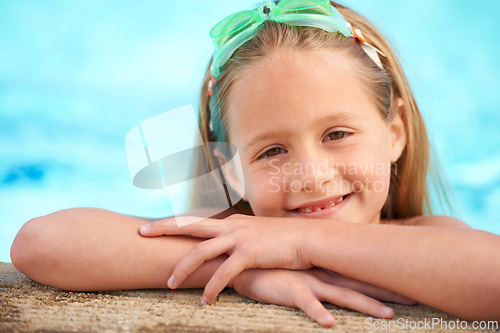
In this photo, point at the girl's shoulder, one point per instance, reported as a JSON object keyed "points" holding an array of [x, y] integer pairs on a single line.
{"points": [[429, 221]]}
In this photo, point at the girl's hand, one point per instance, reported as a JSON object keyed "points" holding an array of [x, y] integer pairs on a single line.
{"points": [[307, 289], [250, 242]]}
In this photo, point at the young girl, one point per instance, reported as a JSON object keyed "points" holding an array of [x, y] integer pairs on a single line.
{"points": [[336, 205]]}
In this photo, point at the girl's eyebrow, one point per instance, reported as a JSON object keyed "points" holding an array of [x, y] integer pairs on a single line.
{"points": [[328, 119]]}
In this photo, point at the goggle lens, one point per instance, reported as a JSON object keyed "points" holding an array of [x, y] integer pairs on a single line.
{"points": [[318, 7], [231, 26]]}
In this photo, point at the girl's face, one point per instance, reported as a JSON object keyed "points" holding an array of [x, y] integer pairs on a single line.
{"points": [[312, 143]]}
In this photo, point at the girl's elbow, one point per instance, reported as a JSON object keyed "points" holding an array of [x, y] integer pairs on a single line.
{"points": [[29, 249], [20, 252]]}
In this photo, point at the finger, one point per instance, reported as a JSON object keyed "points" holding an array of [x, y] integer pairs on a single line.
{"points": [[233, 265], [207, 228], [383, 294], [200, 253], [364, 288], [351, 299], [308, 303]]}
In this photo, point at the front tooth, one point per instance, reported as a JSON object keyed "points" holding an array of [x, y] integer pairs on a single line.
{"points": [[307, 210], [317, 209], [331, 204]]}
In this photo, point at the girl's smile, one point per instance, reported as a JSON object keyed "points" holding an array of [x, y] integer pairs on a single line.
{"points": [[312, 143], [323, 208]]}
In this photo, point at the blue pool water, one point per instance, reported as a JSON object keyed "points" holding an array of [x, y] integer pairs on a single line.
{"points": [[76, 76]]}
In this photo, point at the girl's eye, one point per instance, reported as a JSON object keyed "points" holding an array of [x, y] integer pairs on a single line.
{"points": [[272, 152], [336, 135]]}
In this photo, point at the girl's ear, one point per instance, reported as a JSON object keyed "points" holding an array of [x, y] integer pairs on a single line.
{"points": [[397, 131], [230, 174]]}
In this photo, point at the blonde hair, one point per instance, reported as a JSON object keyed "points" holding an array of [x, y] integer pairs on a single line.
{"points": [[409, 193]]}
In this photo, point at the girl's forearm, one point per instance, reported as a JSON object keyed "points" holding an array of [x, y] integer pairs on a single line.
{"points": [[94, 249], [456, 270]]}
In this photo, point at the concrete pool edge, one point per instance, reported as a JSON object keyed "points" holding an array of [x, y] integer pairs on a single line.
{"points": [[27, 306]]}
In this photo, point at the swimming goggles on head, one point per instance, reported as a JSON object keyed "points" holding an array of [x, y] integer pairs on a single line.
{"points": [[235, 30]]}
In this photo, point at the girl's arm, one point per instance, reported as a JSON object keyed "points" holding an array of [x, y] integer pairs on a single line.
{"points": [[93, 249], [454, 269], [96, 249]]}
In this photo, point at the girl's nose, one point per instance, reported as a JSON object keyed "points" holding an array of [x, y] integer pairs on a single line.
{"points": [[313, 170]]}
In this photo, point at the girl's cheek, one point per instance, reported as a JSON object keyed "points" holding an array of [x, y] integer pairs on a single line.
{"points": [[371, 177], [263, 193]]}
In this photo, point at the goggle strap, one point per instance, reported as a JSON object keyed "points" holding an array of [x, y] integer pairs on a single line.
{"points": [[373, 53], [369, 49], [210, 85], [210, 125]]}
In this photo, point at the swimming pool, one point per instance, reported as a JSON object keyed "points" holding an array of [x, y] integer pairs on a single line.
{"points": [[76, 77]]}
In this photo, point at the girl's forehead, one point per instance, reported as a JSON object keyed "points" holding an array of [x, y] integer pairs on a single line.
{"points": [[295, 62], [305, 79]]}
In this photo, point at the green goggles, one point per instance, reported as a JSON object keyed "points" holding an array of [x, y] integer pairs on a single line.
{"points": [[235, 30]]}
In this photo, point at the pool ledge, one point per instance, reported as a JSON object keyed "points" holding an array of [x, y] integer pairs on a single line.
{"points": [[27, 306]]}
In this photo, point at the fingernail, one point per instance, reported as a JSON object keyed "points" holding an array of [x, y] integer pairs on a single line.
{"points": [[145, 228], [171, 282], [327, 320], [387, 311], [204, 301]]}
